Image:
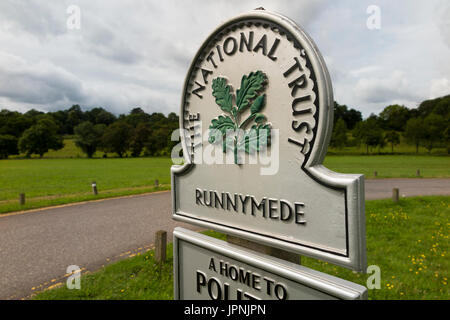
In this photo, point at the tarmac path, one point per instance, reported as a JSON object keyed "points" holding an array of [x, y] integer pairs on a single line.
{"points": [[382, 188], [36, 247]]}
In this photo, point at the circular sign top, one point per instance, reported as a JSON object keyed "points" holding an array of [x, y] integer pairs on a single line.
{"points": [[261, 71]]}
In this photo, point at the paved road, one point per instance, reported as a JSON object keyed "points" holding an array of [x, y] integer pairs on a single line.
{"points": [[382, 188], [36, 247]]}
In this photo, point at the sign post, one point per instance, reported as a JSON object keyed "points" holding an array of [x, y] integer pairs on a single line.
{"points": [[256, 119]]}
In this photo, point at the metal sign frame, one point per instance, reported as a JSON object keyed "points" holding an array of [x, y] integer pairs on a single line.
{"points": [[350, 185], [331, 286]]}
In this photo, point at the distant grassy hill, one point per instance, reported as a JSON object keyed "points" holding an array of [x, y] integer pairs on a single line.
{"points": [[70, 150], [402, 148], [390, 166]]}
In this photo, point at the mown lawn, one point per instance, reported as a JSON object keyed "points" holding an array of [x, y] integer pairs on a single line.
{"points": [[407, 240], [391, 166], [402, 148], [70, 150], [56, 181], [137, 278]]}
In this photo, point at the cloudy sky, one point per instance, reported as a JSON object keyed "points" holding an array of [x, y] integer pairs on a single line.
{"points": [[137, 52]]}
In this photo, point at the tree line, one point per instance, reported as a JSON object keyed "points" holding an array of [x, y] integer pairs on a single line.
{"points": [[36, 132], [427, 126], [139, 133]]}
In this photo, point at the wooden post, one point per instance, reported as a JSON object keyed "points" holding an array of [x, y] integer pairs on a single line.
{"points": [[375, 173], [395, 194], [160, 246], [22, 199], [94, 188], [156, 183], [418, 172], [274, 252]]}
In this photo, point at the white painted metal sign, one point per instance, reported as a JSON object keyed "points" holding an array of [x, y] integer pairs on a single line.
{"points": [[256, 118], [207, 268]]}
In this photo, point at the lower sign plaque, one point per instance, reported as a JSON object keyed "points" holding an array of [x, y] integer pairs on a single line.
{"points": [[207, 268]]}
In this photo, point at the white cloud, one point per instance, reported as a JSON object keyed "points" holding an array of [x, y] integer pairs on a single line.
{"points": [[33, 17], [136, 53], [442, 12], [439, 87], [390, 87], [371, 69], [40, 83]]}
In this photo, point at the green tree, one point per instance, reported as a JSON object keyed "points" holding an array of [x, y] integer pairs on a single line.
{"points": [[137, 116], [158, 142], [434, 128], [60, 117], [14, 123], [447, 137], [105, 117], [8, 145], [439, 106], [74, 117], [369, 133], [394, 117], [415, 131], [88, 137], [173, 118], [351, 117], [99, 115], [117, 138], [339, 135], [41, 137], [442, 107], [393, 138], [140, 138], [33, 115]]}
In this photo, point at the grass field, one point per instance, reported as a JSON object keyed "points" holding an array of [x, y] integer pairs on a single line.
{"points": [[70, 150], [402, 148], [408, 241], [391, 166], [48, 182], [137, 278], [57, 181]]}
